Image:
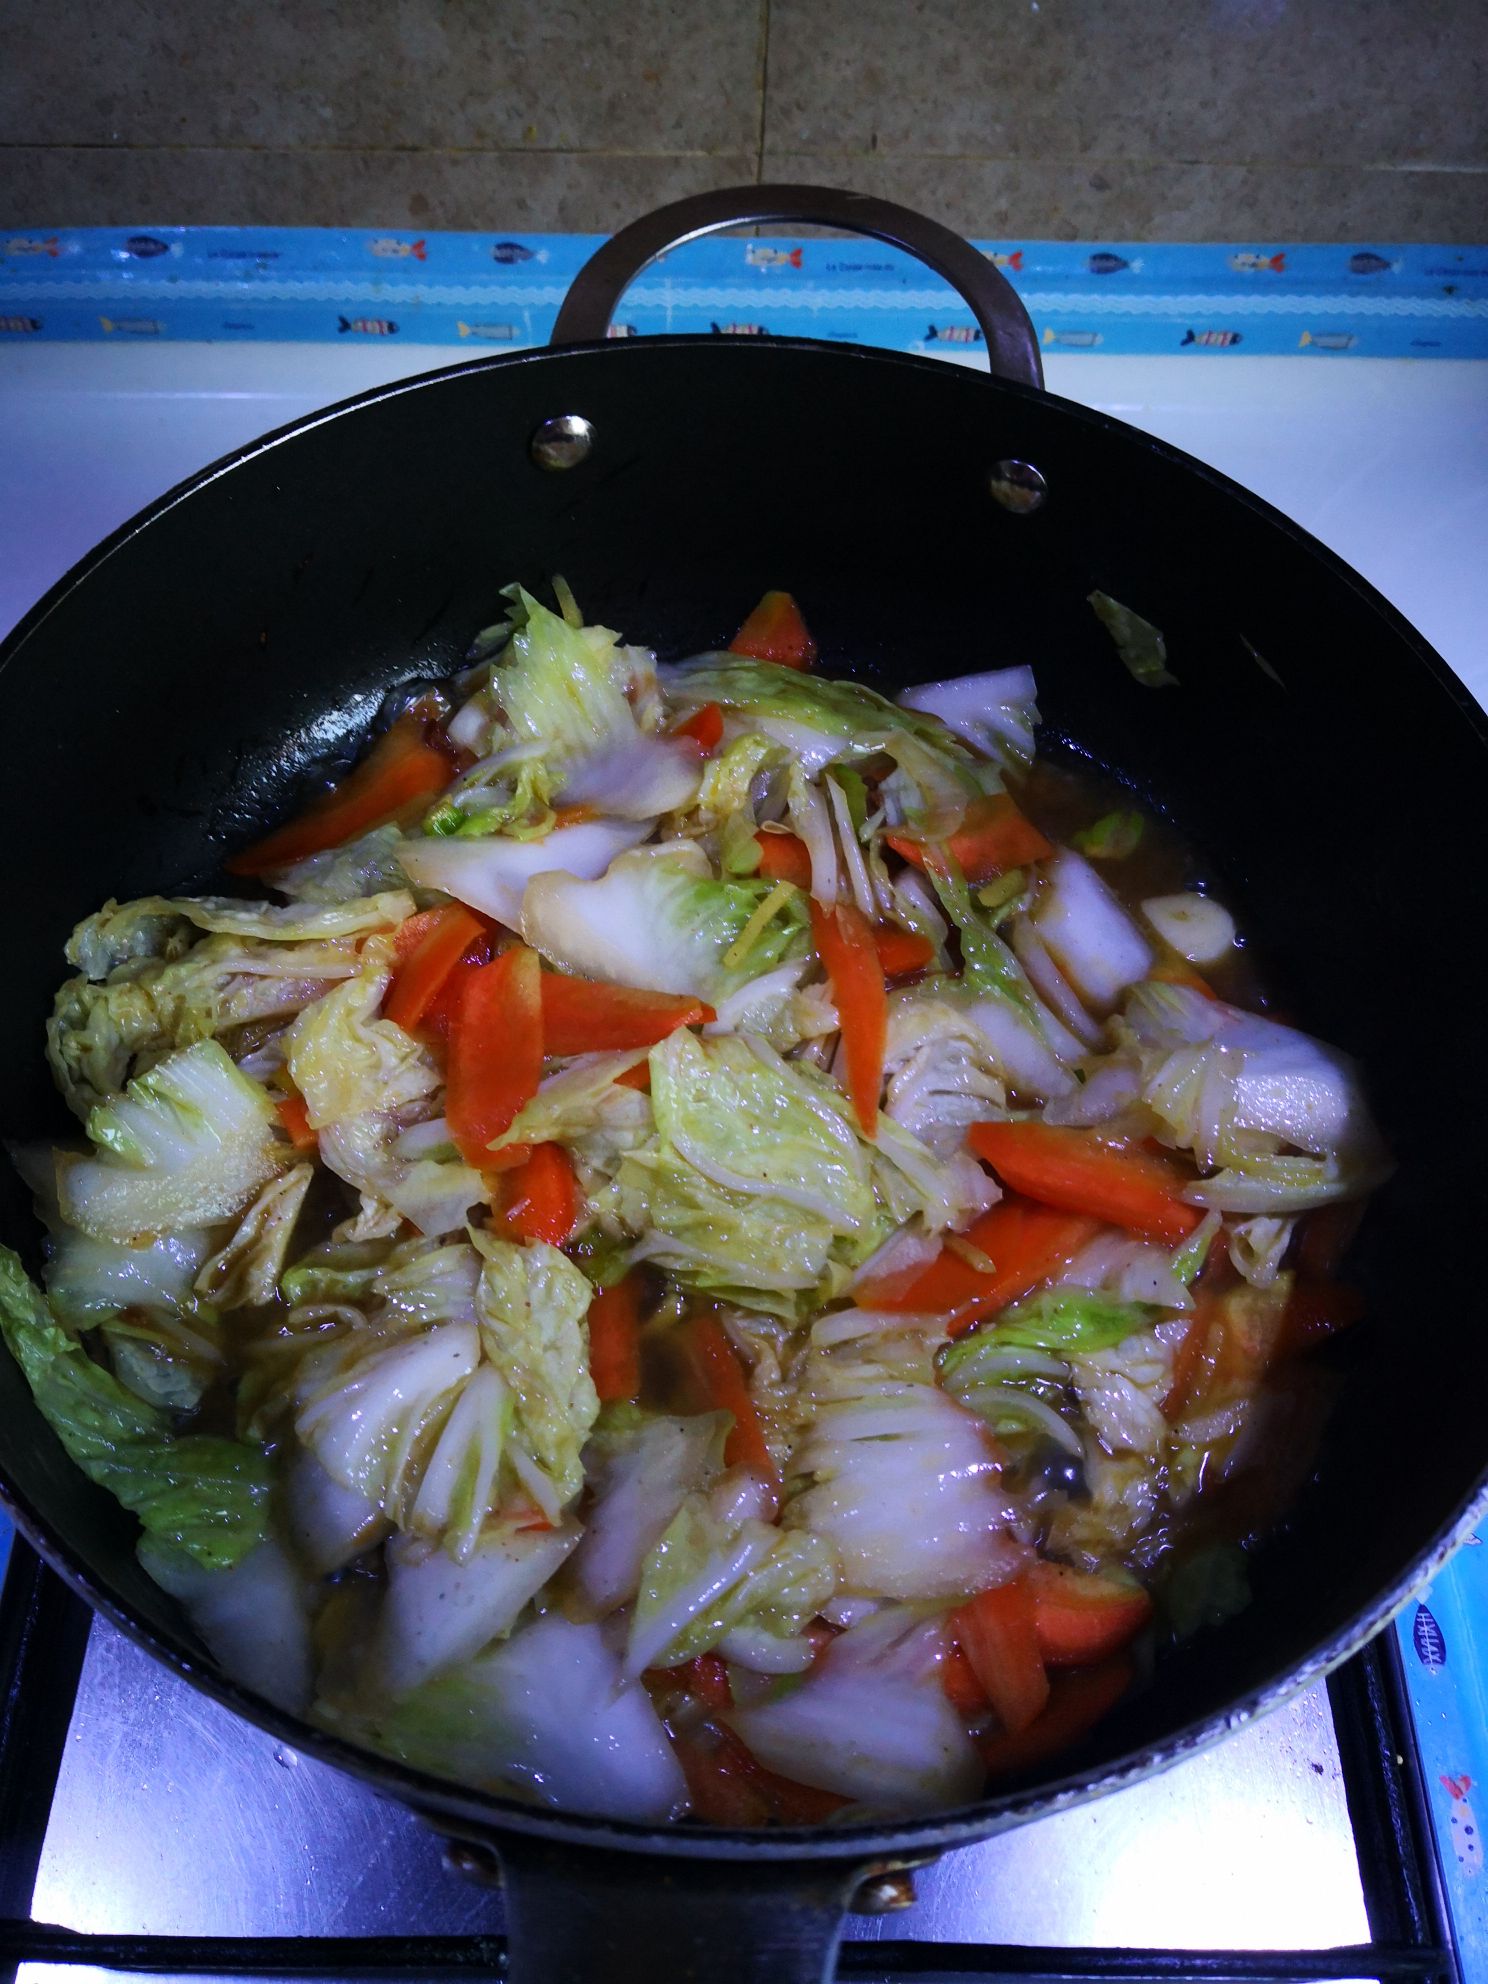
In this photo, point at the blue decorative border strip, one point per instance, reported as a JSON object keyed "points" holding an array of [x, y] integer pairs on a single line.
{"points": [[1444, 1638], [502, 292]]}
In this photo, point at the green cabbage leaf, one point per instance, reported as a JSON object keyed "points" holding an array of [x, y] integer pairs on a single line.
{"points": [[660, 920], [709, 1578], [757, 1187], [193, 1493], [533, 1304], [187, 1144]]}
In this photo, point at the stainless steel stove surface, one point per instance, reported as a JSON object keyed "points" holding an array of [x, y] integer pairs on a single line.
{"points": [[173, 1817]]}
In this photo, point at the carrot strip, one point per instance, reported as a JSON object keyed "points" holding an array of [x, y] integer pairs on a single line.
{"points": [[295, 1117], [717, 1377], [581, 1016], [793, 1804], [775, 631], [844, 943], [542, 1196], [728, 1786], [963, 1690], [996, 1631], [783, 858], [1078, 1699], [901, 951], [637, 1077], [993, 835], [615, 1339], [1080, 1617], [420, 975], [401, 767], [411, 932], [1193, 1360], [1026, 1245], [704, 727], [706, 1678], [1075, 1170], [1179, 973], [495, 1052], [1316, 1310]]}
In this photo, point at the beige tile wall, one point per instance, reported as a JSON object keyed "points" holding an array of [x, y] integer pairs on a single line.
{"points": [[1186, 119]]}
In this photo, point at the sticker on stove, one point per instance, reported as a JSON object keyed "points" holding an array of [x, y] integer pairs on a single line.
{"points": [[488, 333], [1467, 1843], [1429, 1641], [132, 327], [1327, 340], [509, 253], [1076, 340], [1001, 258], [393, 250], [1210, 340], [20, 324], [1104, 263], [622, 331], [31, 244], [372, 327], [1364, 262], [953, 334], [759, 256], [145, 247], [1249, 263], [738, 330]]}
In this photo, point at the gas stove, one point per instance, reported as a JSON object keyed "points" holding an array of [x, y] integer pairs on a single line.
{"points": [[167, 1835]]}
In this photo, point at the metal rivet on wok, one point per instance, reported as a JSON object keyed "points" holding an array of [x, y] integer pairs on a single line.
{"points": [[1018, 486], [885, 1894], [562, 442], [472, 1863]]}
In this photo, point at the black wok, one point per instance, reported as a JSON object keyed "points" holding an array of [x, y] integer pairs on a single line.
{"points": [[172, 693]]}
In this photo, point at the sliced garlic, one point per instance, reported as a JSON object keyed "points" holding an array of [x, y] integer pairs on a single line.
{"points": [[1197, 927]]}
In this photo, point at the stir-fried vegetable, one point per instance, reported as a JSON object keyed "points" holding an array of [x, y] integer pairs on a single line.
{"points": [[759, 1293], [402, 769], [775, 631]]}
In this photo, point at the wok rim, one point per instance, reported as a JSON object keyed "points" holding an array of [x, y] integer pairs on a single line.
{"points": [[480, 1813]]}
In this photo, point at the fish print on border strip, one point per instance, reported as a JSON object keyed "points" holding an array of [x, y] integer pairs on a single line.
{"points": [[1428, 1640], [145, 247], [1105, 263]]}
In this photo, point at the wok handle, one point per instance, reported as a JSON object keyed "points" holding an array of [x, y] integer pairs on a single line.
{"points": [[588, 1915], [1012, 345]]}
